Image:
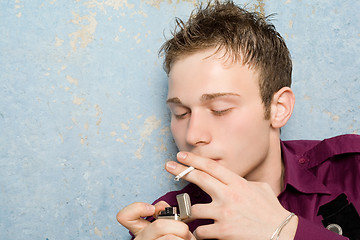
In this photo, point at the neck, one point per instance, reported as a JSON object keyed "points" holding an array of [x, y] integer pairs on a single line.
{"points": [[271, 169]]}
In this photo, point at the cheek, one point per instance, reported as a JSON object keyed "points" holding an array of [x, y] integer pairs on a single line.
{"points": [[244, 128], [178, 133]]}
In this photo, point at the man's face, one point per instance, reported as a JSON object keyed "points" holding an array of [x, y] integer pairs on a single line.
{"points": [[217, 112]]}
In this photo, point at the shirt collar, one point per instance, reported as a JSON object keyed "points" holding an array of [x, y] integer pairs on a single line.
{"points": [[343, 144], [297, 175]]}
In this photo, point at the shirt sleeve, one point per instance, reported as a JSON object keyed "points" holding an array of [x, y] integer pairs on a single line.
{"points": [[307, 230]]}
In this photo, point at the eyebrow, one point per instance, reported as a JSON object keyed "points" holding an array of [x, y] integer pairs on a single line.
{"points": [[174, 100], [208, 97], [204, 97]]}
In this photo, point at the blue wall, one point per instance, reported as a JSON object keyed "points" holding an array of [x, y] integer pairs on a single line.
{"points": [[83, 121]]}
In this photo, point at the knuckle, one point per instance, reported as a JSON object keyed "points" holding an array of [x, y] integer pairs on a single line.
{"points": [[169, 237], [120, 217], [158, 224], [200, 232], [185, 228], [195, 210], [123, 215]]}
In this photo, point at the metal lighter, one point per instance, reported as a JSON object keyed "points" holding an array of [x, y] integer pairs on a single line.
{"points": [[184, 209]]}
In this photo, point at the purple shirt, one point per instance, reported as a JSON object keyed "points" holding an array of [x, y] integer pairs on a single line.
{"points": [[316, 172]]}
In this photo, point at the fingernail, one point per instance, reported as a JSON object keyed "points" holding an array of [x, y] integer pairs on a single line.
{"points": [[171, 165], [181, 155]]}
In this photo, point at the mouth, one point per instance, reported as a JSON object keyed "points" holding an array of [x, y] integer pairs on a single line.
{"points": [[215, 159]]}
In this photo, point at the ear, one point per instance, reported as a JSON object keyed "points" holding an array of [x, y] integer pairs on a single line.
{"points": [[282, 106]]}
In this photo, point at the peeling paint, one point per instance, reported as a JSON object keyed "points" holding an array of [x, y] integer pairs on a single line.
{"points": [[83, 139], [61, 138], [137, 38], [165, 131], [72, 80], [260, 7], [156, 3], [17, 6], [115, 4], [307, 97], [150, 124], [333, 116], [78, 100], [85, 35], [58, 41], [124, 126], [98, 110], [291, 24], [122, 29], [97, 232], [161, 147], [138, 152], [98, 122], [86, 126]]}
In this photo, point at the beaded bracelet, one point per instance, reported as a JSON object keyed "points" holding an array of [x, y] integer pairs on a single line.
{"points": [[281, 226]]}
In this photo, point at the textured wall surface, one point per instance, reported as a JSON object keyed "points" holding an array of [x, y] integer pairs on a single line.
{"points": [[83, 121]]}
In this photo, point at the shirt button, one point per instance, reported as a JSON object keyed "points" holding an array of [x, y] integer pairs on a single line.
{"points": [[335, 228], [302, 160]]}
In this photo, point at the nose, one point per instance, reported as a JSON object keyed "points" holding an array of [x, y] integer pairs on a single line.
{"points": [[198, 130]]}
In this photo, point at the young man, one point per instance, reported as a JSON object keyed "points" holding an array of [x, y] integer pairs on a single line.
{"points": [[229, 94]]}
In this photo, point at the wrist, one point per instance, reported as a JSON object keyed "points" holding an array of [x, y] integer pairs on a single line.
{"points": [[287, 229]]}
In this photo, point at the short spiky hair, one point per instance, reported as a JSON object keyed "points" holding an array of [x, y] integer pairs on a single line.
{"points": [[247, 37]]}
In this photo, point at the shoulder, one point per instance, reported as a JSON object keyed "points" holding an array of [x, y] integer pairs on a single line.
{"points": [[336, 163], [316, 152], [339, 148]]}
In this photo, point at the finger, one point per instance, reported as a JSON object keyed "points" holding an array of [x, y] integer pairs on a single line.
{"points": [[210, 231], [209, 166], [173, 237], [164, 227], [204, 211], [131, 216], [169, 237], [160, 206], [205, 181]]}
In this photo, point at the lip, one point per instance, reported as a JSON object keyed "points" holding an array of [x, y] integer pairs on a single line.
{"points": [[216, 159]]}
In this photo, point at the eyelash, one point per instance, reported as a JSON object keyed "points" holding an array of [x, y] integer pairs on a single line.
{"points": [[215, 112], [180, 116], [221, 112]]}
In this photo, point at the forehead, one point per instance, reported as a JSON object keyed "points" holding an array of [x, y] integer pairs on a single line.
{"points": [[207, 72], [206, 62]]}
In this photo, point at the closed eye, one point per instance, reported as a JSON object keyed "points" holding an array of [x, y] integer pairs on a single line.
{"points": [[180, 116], [221, 112]]}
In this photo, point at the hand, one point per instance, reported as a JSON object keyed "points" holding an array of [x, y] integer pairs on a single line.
{"points": [[132, 215], [240, 209]]}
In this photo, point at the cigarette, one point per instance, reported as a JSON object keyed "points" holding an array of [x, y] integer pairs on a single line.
{"points": [[183, 173]]}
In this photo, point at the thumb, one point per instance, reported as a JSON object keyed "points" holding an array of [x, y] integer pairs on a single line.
{"points": [[132, 215], [160, 206]]}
